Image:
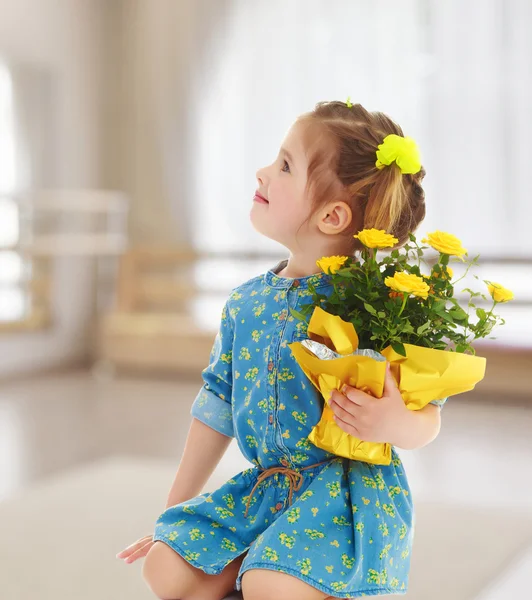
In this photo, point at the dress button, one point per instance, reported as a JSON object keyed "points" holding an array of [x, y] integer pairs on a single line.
{"points": [[270, 366], [278, 506], [283, 461], [270, 418], [296, 283]]}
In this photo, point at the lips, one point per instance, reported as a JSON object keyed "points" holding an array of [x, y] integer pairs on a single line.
{"points": [[260, 198]]}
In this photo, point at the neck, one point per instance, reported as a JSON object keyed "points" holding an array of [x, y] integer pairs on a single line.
{"points": [[299, 265]]}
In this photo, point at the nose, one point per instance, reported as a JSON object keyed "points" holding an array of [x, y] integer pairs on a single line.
{"points": [[262, 176]]}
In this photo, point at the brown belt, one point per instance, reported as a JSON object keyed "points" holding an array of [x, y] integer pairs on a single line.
{"points": [[295, 478]]}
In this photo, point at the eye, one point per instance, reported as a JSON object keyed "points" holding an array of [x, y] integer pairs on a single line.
{"points": [[286, 167]]}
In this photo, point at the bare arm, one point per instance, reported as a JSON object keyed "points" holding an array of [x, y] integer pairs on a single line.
{"points": [[420, 428], [204, 449]]}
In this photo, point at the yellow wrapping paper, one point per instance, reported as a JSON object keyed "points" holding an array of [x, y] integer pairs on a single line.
{"points": [[423, 375]]}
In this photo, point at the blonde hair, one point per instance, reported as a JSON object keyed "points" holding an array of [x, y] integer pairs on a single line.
{"points": [[343, 169]]}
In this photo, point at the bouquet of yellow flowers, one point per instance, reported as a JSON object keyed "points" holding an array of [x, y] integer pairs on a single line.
{"points": [[388, 310]]}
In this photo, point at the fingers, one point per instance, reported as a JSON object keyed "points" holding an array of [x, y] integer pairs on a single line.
{"points": [[358, 397], [347, 427], [134, 547], [140, 553]]}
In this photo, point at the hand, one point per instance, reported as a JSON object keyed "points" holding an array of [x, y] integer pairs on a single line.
{"points": [[137, 550], [371, 419]]}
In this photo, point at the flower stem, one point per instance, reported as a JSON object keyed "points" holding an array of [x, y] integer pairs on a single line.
{"points": [[405, 297]]}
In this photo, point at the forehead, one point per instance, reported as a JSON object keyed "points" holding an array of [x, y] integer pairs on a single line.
{"points": [[295, 140]]}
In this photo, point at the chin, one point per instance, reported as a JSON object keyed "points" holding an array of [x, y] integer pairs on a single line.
{"points": [[266, 231]]}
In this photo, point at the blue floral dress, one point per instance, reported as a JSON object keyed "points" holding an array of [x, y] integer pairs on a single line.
{"points": [[343, 526]]}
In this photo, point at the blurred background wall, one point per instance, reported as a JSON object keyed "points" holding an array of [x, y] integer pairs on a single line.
{"points": [[176, 104], [61, 44]]}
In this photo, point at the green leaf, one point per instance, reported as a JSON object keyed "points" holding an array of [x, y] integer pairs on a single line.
{"points": [[422, 328], [458, 312], [412, 239], [346, 273], [297, 314], [481, 313], [382, 315], [438, 306], [399, 348], [370, 309], [446, 317]]}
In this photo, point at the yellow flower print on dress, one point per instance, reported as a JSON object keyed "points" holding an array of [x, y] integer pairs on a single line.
{"points": [[304, 566], [270, 554], [223, 512], [245, 354], [376, 577], [334, 489], [257, 311], [251, 441], [300, 457], [251, 375], [192, 556], [229, 500], [347, 561], [228, 545], [287, 540], [286, 374], [195, 534], [300, 417], [293, 514], [394, 490], [369, 482]]}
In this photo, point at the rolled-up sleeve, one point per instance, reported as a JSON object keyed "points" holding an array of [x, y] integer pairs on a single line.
{"points": [[439, 403], [212, 405]]}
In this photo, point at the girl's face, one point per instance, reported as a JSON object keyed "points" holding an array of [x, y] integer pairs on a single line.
{"points": [[284, 206]]}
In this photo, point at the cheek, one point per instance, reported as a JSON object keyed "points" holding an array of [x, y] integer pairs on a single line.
{"points": [[287, 199]]}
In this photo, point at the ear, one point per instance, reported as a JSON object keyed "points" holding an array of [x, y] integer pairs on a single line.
{"points": [[334, 218]]}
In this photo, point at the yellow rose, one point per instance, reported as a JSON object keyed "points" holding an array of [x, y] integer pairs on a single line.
{"points": [[499, 293], [445, 243], [331, 264], [409, 283], [376, 238]]}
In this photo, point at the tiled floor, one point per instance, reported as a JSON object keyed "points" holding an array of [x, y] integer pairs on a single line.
{"points": [[481, 460]]}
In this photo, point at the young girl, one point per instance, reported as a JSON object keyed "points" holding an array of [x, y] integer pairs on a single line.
{"points": [[302, 523]]}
